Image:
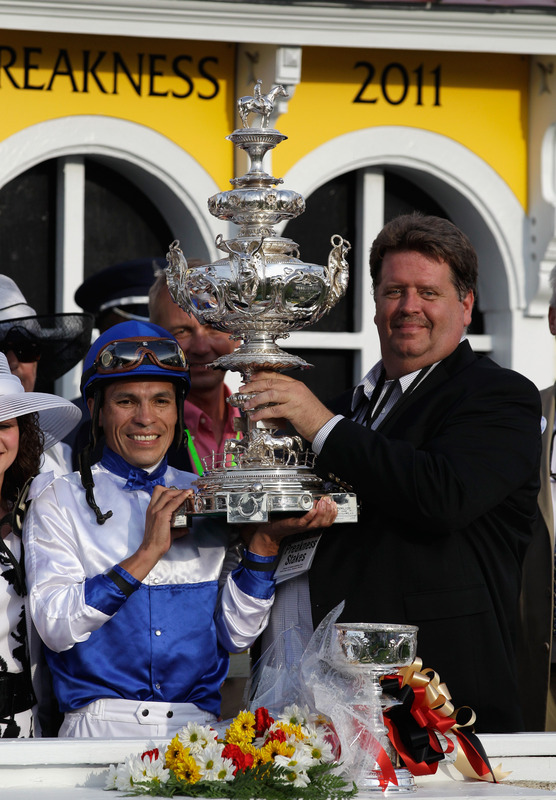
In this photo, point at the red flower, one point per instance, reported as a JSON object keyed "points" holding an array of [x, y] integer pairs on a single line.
{"points": [[240, 760], [277, 736], [263, 721], [151, 754]]}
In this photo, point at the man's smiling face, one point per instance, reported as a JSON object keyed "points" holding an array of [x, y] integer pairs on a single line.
{"points": [[419, 315], [139, 418]]}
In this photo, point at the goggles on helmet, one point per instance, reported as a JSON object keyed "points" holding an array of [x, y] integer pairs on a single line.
{"points": [[128, 354], [22, 344]]}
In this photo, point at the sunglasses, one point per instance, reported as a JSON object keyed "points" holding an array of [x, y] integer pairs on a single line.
{"points": [[127, 354], [22, 344]]}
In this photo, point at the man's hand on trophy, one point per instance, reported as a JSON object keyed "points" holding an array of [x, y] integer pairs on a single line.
{"points": [[264, 539], [278, 397]]}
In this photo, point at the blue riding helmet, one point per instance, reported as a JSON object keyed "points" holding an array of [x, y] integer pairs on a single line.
{"points": [[132, 349]]}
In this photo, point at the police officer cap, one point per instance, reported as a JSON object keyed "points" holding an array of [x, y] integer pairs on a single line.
{"points": [[122, 288]]}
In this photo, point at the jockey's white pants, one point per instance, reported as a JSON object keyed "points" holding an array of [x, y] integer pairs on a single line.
{"points": [[116, 719]]}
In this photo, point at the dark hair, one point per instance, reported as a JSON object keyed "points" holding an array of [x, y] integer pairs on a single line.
{"points": [[28, 459], [434, 237]]}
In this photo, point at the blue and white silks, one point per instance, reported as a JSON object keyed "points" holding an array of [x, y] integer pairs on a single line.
{"points": [[169, 640]]}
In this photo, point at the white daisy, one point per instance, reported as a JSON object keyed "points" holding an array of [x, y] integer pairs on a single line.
{"points": [[154, 769], [295, 771], [196, 737], [130, 772], [210, 762], [214, 767], [299, 759], [295, 715], [111, 777], [317, 746], [227, 770], [136, 770]]}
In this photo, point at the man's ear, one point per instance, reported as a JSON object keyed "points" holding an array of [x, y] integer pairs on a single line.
{"points": [[90, 406], [552, 320]]}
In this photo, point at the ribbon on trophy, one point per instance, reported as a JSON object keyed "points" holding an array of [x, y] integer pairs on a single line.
{"points": [[425, 727], [368, 742]]}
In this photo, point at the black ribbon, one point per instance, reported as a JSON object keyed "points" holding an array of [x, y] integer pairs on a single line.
{"points": [[415, 739]]}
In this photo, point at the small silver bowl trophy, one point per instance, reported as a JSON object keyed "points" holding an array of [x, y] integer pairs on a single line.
{"points": [[367, 651], [257, 293]]}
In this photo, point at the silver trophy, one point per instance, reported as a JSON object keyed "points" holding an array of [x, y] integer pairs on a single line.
{"points": [[369, 650], [258, 292]]}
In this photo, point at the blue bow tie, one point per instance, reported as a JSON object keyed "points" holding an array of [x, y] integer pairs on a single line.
{"points": [[137, 478]]}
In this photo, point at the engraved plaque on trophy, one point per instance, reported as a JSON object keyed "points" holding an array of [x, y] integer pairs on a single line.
{"points": [[258, 292]]}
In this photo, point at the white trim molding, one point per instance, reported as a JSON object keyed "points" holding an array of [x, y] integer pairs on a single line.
{"points": [[474, 195], [173, 179], [318, 24]]}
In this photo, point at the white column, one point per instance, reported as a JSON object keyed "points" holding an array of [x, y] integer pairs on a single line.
{"points": [[70, 239], [370, 220]]}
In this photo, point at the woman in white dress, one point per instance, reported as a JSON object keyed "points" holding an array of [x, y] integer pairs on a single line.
{"points": [[29, 423]]}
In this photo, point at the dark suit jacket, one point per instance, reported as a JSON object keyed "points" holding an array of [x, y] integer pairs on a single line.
{"points": [[534, 642], [448, 489]]}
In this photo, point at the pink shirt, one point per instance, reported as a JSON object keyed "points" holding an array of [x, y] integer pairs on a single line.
{"points": [[200, 427]]}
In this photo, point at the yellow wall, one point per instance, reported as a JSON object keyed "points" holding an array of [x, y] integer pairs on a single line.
{"points": [[49, 76], [478, 100], [482, 103]]}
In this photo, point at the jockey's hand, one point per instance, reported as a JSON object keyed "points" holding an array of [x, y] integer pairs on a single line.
{"points": [[159, 533], [264, 539]]}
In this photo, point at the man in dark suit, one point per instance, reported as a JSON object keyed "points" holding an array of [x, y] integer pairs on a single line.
{"points": [[536, 651], [442, 447]]}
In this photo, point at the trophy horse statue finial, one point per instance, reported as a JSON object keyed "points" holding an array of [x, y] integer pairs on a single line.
{"points": [[259, 103]]}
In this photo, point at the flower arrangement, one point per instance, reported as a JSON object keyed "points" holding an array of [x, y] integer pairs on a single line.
{"points": [[259, 757]]}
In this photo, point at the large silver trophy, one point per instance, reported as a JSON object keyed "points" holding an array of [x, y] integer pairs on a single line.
{"points": [[257, 293], [369, 650]]}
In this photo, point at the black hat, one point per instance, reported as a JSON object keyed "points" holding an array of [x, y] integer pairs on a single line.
{"points": [[63, 339], [122, 288]]}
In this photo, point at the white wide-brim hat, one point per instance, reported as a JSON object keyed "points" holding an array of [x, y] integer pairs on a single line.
{"points": [[57, 416]]}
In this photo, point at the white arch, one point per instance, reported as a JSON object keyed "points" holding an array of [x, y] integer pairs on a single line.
{"points": [[474, 195], [153, 162]]}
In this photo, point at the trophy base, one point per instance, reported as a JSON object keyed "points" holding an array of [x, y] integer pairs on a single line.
{"points": [[375, 782], [252, 495]]}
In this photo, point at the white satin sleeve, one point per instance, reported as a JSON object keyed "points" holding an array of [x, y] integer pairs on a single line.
{"points": [[55, 573], [240, 618]]}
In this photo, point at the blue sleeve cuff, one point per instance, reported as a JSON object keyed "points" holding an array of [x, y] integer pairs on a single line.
{"points": [[102, 593], [256, 583]]}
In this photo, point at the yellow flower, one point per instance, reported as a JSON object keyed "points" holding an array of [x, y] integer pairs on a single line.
{"points": [[275, 748], [292, 730], [254, 751], [175, 753], [187, 770], [242, 728]]}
